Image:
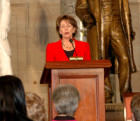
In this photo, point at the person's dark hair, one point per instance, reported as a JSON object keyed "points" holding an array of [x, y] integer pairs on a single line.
{"points": [[135, 107], [66, 99], [68, 18], [12, 99]]}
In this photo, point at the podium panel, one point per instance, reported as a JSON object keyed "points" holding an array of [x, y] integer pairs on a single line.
{"points": [[87, 77], [88, 82]]}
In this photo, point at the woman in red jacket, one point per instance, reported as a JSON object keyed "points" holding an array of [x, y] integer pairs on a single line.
{"points": [[67, 46]]}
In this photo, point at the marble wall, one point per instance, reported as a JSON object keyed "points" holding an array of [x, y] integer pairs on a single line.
{"points": [[32, 26], [135, 10]]}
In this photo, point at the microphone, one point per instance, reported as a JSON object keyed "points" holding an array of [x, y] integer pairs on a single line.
{"points": [[71, 41]]}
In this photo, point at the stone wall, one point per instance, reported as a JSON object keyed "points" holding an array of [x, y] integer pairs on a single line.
{"points": [[32, 26]]}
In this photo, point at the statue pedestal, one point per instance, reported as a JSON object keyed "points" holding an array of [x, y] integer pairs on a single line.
{"points": [[114, 112]]}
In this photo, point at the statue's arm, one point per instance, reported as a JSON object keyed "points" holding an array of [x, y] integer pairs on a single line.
{"points": [[5, 18], [82, 11], [128, 20]]}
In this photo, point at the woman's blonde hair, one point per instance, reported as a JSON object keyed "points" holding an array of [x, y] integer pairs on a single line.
{"points": [[35, 107]]}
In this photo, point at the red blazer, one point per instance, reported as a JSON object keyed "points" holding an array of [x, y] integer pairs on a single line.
{"points": [[55, 52]]}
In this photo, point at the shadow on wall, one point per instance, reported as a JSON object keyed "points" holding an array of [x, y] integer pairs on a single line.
{"points": [[43, 31]]}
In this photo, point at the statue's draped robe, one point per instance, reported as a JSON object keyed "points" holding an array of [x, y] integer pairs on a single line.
{"points": [[5, 51]]}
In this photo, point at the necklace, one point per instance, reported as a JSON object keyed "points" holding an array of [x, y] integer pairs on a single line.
{"points": [[66, 46]]}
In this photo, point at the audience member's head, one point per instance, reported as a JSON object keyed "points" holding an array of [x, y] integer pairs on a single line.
{"points": [[12, 99], [66, 99], [135, 107], [35, 107]]}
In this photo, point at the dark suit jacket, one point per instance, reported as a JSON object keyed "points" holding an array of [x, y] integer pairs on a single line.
{"points": [[55, 52], [64, 118]]}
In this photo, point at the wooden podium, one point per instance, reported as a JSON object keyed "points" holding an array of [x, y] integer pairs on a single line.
{"points": [[88, 77]]}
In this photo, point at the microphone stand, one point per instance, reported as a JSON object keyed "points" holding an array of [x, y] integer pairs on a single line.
{"points": [[74, 58]]}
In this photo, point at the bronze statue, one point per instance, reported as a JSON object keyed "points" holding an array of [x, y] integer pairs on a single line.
{"points": [[108, 22]]}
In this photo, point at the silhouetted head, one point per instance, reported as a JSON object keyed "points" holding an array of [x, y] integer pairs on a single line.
{"points": [[12, 99]]}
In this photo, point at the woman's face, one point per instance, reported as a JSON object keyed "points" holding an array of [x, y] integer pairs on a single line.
{"points": [[66, 29]]}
